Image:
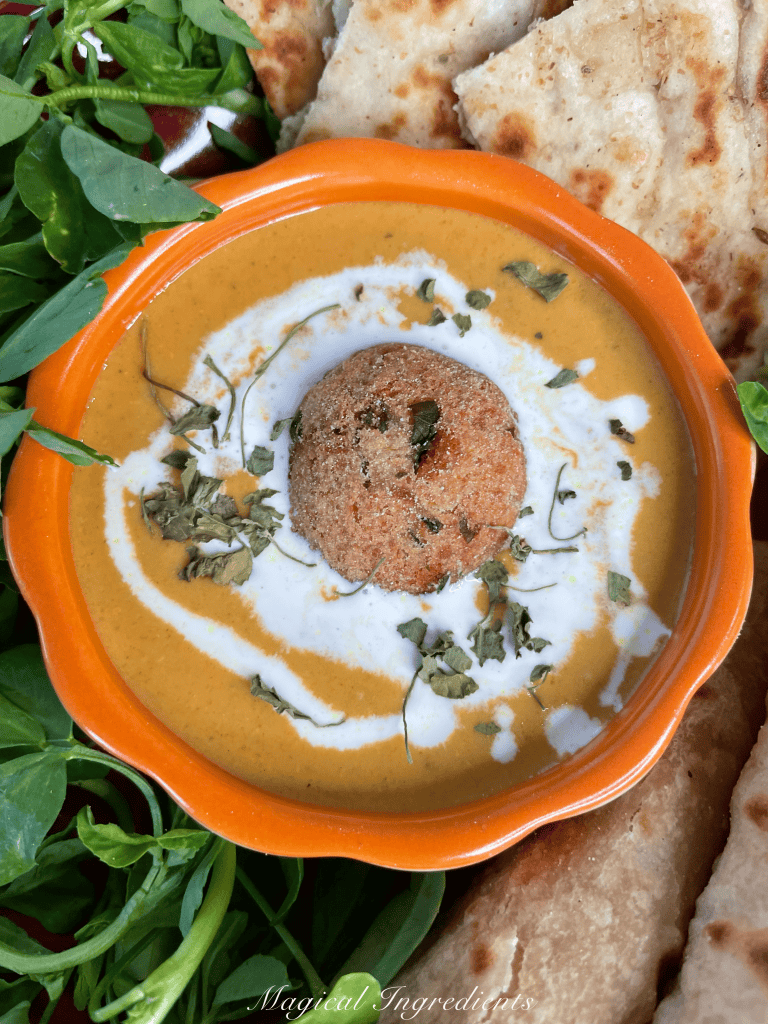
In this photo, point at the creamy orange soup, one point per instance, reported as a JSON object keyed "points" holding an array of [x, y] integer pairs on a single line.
{"points": [[189, 649]]}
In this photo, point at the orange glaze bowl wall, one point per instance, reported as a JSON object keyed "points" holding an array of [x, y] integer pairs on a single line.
{"points": [[36, 519]]}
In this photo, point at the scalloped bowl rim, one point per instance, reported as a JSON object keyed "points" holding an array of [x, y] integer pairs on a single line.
{"points": [[36, 517]]}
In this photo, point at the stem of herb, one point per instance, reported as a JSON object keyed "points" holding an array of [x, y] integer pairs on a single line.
{"points": [[53, 1003], [232, 395], [315, 982], [107, 792], [146, 374], [237, 100], [359, 587], [293, 558], [167, 387], [531, 590], [264, 366], [552, 509], [165, 984], [553, 551], [405, 724], [532, 691]]}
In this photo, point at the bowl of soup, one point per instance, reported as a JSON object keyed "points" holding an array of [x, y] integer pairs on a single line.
{"points": [[429, 512]]}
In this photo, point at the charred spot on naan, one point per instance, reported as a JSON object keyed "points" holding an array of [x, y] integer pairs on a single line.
{"points": [[756, 809], [708, 105], [515, 136], [591, 187], [749, 945]]}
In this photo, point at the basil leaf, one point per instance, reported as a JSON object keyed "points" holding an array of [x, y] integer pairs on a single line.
{"points": [[548, 286], [13, 29], [40, 48], [32, 790], [12, 425], [125, 188], [24, 680], [562, 378], [229, 142], [129, 121], [255, 976], [73, 451], [17, 292], [74, 233], [59, 318], [219, 20], [618, 588], [398, 929], [477, 299], [28, 258], [753, 397]]}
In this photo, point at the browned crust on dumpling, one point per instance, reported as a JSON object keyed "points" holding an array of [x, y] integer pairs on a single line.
{"points": [[357, 492]]}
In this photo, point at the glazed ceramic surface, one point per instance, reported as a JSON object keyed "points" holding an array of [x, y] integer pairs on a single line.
{"points": [[37, 519]]}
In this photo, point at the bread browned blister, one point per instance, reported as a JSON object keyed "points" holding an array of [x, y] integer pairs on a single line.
{"points": [[587, 918]]}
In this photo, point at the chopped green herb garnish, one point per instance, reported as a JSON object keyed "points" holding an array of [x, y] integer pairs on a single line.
{"points": [[426, 290], [425, 417], [621, 431], [618, 588], [487, 728], [548, 286], [563, 496], [437, 317], [563, 378], [294, 428], [527, 511], [477, 299], [281, 706], [463, 321], [260, 461], [626, 470]]}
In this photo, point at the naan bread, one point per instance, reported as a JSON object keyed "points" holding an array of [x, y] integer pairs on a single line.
{"points": [[292, 33], [389, 76], [655, 114], [585, 917], [725, 971]]}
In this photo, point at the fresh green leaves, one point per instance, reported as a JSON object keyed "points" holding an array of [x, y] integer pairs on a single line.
{"points": [[18, 110], [124, 188], [32, 789], [753, 398], [548, 286], [219, 20]]}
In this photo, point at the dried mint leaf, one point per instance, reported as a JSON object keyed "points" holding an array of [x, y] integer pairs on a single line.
{"points": [[200, 417], [626, 470], [414, 630], [177, 459], [433, 525], [229, 567], [260, 461], [467, 532], [548, 286], [494, 574], [540, 673], [518, 621], [477, 299], [537, 644], [618, 588], [527, 511], [359, 291], [463, 321], [443, 582], [268, 694], [487, 728], [562, 378], [454, 687], [437, 317], [518, 548], [456, 659], [563, 496], [426, 290], [621, 431], [488, 643], [224, 506], [425, 417]]}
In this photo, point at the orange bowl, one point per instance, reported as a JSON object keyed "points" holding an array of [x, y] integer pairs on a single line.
{"points": [[37, 521]]}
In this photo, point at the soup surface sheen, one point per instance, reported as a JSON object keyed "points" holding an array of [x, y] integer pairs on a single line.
{"points": [[189, 649]]}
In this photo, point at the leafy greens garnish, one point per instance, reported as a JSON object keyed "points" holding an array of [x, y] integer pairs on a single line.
{"points": [[425, 417], [437, 317], [548, 286], [452, 683], [487, 728], [618, 428], [626, 469], [281, 706], [555, 495], [426, 290], [753, 398], [561, 379], [477, 299], [463, 321], [260, 461], [618, 588]]}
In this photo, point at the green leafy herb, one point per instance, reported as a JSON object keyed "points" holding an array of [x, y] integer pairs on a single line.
{"points": [[548, 286], [260, 461], [519, 548], [437, 318], [621, 431], [366, 581], [266, 693], [487, 728], [443, 583], [561, 379], [563, 496], [527, 511], [425, 417], [73, 451], [487, 643], [426, 290], [200, 417], [265, 364], [477, 300], [753, 398], [618, 588], [294, 428], [555, 496], [463, 321], [626, 470], [229, 567]]}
